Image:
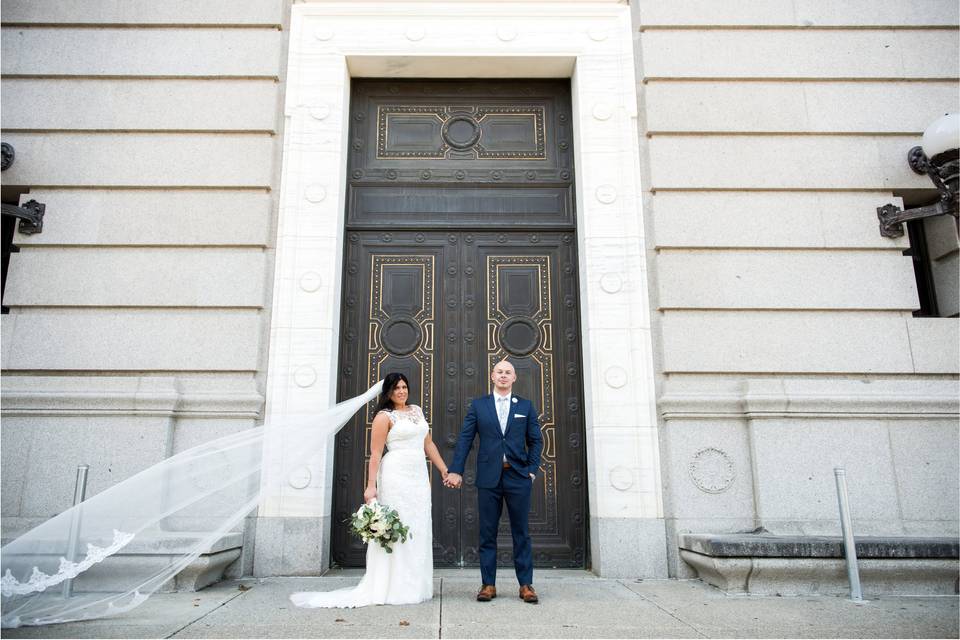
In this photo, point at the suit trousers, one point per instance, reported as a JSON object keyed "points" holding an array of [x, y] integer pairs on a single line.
{"points": [[514, 489]]}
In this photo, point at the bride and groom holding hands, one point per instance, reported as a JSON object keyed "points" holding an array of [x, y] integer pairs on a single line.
{"points": [[507, 464]]}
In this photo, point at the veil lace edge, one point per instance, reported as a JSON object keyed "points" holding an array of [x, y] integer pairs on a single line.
{"points": [[39, 581]]}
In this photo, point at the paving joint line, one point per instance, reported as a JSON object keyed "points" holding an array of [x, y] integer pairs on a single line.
{"points": [[666, 611], [195, 620]]}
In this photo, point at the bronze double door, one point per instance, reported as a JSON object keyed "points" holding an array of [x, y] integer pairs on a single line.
{"points": [[446, 297]]}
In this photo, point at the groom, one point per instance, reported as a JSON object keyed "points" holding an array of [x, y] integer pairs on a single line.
{"points": [[507, 464]]}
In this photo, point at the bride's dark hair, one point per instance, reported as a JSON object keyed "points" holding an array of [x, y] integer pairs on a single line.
{"points": [[389, 383]]}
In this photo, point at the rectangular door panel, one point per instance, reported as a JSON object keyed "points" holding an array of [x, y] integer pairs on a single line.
{"points": [[393, 294], [520, 303]]}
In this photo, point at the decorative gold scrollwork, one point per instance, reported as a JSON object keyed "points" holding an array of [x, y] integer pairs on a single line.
{"points": [[460, 128], [400, 333], [520, 326]]}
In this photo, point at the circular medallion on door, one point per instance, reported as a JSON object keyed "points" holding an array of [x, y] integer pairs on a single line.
{"points": [[519, 336], [401, 336], [460, 132]]}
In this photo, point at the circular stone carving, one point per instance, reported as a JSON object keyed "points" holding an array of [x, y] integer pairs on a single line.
{"points": [[506, 33], [620, 478], [320, 112], [315, 193], [401, 336], [611, 282], [300, 478], [712, 470], [519, 336], [310, 281], [460, 132], [606, 193], [416, 34], [323, 33], [602, 111], [304, 376], [615, 377]]}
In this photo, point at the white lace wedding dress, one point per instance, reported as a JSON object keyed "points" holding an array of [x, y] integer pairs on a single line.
{"points": [[406, 575]]}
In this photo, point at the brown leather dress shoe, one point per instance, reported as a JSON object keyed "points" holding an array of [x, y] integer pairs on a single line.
{"points": [[527, 594], [487, 593]]}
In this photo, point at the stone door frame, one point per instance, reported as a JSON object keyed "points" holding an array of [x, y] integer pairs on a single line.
{"points": [[589, 42]]}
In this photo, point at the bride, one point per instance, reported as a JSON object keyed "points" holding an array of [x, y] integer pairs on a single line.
{"points": [[399, 480]]}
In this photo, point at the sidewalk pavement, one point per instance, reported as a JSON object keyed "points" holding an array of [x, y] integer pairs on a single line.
{"points": [[573, 604]]}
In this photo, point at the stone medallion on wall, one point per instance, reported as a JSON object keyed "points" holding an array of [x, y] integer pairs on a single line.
{"points": [[712, 470]]}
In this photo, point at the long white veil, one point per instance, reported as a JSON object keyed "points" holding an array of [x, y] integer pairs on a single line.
{"points": [[162, 519]]}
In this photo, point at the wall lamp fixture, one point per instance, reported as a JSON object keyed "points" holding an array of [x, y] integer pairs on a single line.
{"points": [[30, 213], [937, 157]]}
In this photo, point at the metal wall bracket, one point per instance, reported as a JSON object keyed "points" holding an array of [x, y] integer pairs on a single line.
{"points": [[7, 155], [943, 171], [30, 215]]}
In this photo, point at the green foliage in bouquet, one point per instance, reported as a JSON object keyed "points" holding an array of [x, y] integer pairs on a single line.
{"points": [[379, 523]]}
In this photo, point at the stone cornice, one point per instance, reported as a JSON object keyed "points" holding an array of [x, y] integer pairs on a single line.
{"points": [[769, 398], [146, 396]]}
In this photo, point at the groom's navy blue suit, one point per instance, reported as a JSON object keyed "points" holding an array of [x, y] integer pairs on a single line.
{"points": [[499, 482]]}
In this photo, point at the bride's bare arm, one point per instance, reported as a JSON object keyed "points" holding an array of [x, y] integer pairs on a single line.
{"points": [[378, 438], [434, 454]]}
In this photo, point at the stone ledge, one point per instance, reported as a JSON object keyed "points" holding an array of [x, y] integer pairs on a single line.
{"points": [[742, 545], [205, 570], [766, 564]]}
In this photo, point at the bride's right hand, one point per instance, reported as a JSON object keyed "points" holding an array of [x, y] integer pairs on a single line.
{"points": [[369, 495]]}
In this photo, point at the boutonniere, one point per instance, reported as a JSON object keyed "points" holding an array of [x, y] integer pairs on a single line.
{"points": [[514, 401]]}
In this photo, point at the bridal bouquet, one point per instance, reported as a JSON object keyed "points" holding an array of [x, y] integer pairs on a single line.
{"points": [[379, 523]]}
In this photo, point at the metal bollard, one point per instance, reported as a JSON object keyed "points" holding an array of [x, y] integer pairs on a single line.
{"points": [[849, 546], [79, 493]]}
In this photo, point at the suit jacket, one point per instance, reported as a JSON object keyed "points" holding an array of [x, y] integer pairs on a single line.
{"points": [[521, 443]]}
